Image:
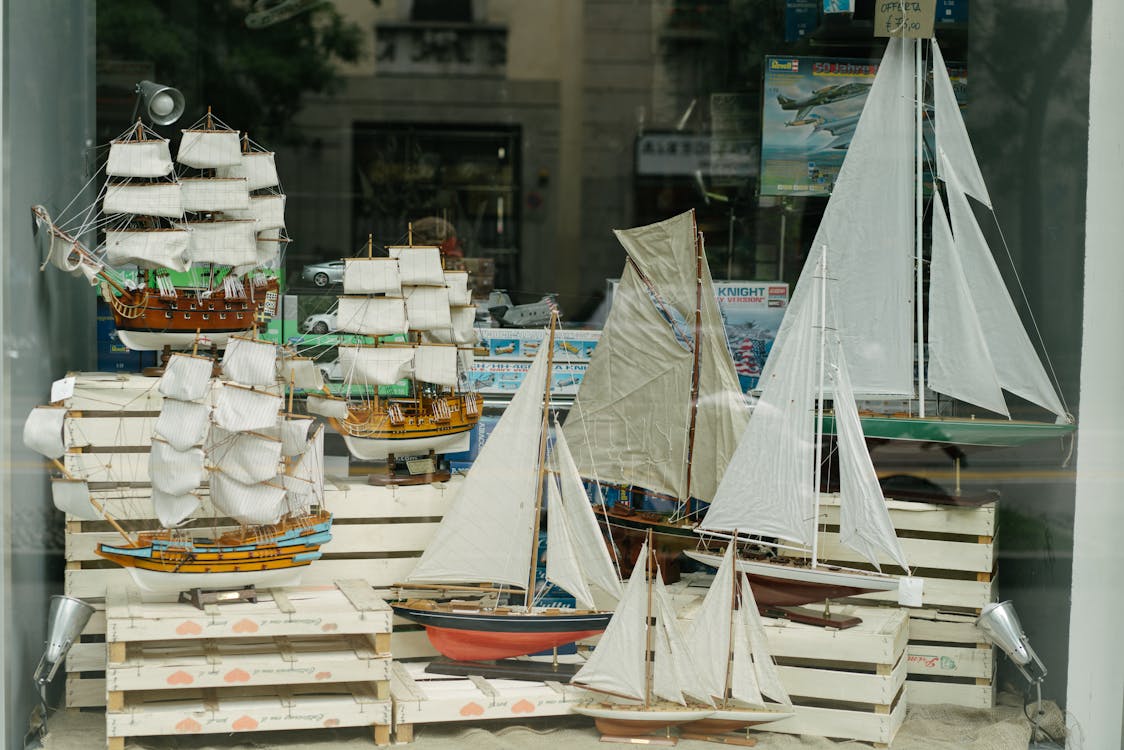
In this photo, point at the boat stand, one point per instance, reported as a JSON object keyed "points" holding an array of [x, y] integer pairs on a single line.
{"points": [[667, 740], [506, 669], [419, 471], [721, 739], [809, 616], [200, 598]]}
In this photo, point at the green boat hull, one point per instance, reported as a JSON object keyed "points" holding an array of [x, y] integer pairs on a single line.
{"points": [[965, 431]]}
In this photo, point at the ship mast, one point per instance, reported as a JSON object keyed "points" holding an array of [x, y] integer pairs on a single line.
{"points": [[529, 595], [685, 501]]}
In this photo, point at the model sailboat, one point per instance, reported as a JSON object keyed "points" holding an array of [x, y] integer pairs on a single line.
{"points": [[406, 293], [977, 346], [220, 217], [771, 488], [642, 663], [490, 536], [659, 410]]}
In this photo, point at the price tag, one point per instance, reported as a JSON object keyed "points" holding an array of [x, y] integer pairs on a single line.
{"points": [[910, 590], [63, 389], [419, 466], [912, 19]]}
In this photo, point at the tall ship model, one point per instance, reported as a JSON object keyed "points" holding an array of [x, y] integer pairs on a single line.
{"points": [[490, 536], [977, 347], [214, 221], [659, 411], [263, 468], [410, 296]]}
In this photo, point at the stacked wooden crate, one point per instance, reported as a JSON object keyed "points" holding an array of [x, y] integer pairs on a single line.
{"points": [[953, 549], [377, 536], [299, 658]]}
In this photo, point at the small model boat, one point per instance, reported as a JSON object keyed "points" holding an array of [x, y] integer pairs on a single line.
{"points": [[410, 296], [642, 664], [490, 536], [217, 223]]}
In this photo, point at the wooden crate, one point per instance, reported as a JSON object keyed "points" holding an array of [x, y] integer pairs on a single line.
{"points": [[421, 698], [953, 549], [377, 537], [299, 658]]}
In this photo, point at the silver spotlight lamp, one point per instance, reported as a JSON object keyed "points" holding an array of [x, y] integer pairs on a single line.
{"points": [[1000, 625], [160, 104], [65, 620]]}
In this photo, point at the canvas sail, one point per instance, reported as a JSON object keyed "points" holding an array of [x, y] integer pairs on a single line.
{"points": [[674, 674], [743, 676], [259, 168], [72, 497], [869, 224], [245, 456], [326, 406], [172, 471], [630, 421], [436, 363], [456, 282], [173, 510], [953, 143], [186, 377], [371, 276], [231, 243], [864, 523], [267, 210], [383, 365], [371, 316], [462, 329], [247, 503], [209, 149], [427, 308], [419, 266], [301, 372], [250, 361], [238, 408], [485, 537], [183, 424], [294, 435], [562, 566], [42, 432], [764, 668], [150, 249], [709, 635], [214, 194], [146, 199], [148, 158]]}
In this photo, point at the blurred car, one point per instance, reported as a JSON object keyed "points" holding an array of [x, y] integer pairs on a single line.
{"points": [[331, 370], [319, 324], [323, 274]]}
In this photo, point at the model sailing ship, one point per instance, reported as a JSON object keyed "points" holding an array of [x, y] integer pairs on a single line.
{"points": [[408, 294], [219, 217], [660, 410], [265, 471], [977, 346], [490, 536]]}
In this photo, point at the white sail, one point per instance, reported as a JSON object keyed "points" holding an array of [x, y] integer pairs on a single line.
{"points": [[709, 636], [172, 471], [868, 228], [665, 677], [209, 149], [301, 372], [371, 276], [214, 194], [326, 406], [294, 434], [634, 429], [231, 243], [765, 669], [267, 210], [304, 481], [953, 143], [72, 496], [427, 308], [864, 522], [269, 244], [247, 503], [436, 363], [65, 253], [371, 316], [147, 158], [186, 377], [250, 361], [145, 199], [562, 565], [768, 488], [419, 266], [151, 249], [183, 424], [173, 510], [617, 665], [955, 335], [461, 331], [589, 545], [486, 534], [456, 282], [42, 432], [1017, 365], [383, 365], [245, 456], [259, 168], [743, 675], [244, 409], [674, 675]]}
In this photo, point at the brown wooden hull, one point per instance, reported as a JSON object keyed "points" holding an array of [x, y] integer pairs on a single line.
{"points": [[145, 311], [403, 427]]}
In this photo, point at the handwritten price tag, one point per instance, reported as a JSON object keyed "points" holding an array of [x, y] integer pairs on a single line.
{"points": [[912, 19]]}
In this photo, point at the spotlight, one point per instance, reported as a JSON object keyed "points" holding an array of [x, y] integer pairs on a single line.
{"points": [[161, 104]]}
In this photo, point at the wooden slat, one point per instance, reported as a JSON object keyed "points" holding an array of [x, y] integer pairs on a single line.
{"points": [[950, 661], [919, 553], [84, 693], [863, 726], [925, 517], [971, 696], [944, 592]]}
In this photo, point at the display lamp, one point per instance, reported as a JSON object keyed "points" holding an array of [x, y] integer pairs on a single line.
{"points": [[65, 620], [160, 104], [1000, 625]]}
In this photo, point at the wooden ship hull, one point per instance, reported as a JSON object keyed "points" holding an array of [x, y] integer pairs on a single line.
{"points": [[464, 632], [146, 320], [403, 427], [619, 720], [726, 720], [167, 561]]}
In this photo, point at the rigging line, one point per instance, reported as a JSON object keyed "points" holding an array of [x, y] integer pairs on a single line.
{"points": [[1030, 312]]}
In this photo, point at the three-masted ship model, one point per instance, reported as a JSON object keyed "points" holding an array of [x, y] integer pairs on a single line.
{"points": [[199, 236], [406, 295]]}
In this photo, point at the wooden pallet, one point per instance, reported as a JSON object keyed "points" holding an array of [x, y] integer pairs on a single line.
{"points": [[299, 658], [422, 698], [953, 549]]}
